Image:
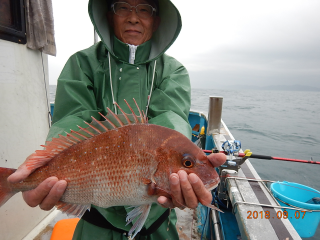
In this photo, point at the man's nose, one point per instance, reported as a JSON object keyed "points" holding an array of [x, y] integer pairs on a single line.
{"points": [[133, 17]]}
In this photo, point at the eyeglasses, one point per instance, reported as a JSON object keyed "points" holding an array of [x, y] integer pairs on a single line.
{"points": [[124, 9]]}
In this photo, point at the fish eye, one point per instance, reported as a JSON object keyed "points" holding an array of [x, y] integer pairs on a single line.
{"points": [[187, 161]]}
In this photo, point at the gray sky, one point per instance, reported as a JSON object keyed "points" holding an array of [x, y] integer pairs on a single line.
{"points": [[222, 43]]}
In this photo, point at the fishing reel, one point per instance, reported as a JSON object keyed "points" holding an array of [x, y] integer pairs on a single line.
{"points": [[234, 162], [231, 149]]}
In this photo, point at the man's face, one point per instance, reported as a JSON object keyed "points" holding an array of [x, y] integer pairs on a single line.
{"points": [[133, 29]]}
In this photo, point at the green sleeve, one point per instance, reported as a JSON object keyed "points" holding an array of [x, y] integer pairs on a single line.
{"points": [[171, 98], [75, 99]]}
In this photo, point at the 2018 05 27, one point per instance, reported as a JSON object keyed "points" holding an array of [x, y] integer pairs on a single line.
{"points": [[280, 215]]}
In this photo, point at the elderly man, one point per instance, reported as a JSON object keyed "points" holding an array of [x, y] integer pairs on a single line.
{"points": [[129, 62]]}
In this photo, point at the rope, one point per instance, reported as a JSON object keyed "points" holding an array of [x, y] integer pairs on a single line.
{"points": [[45, 88], [113, 102], [149, 96]]}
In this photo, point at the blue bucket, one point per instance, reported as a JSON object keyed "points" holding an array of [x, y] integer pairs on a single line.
{"points": [[298, 195]]}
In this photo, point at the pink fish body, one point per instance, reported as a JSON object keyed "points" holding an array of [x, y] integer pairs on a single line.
{"points": [[114, 163]]}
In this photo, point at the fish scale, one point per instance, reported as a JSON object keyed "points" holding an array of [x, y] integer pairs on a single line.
{"points": [[83, 159], [114, 163]]}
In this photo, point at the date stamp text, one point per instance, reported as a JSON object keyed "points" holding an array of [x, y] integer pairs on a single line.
{"points": [[280, 215]]}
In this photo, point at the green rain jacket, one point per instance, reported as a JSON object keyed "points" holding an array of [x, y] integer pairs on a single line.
{"points": [[84, 89]]}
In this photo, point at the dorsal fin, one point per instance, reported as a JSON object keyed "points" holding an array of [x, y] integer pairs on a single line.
{"points": [[133, 114], [123, 113], [115, 117], [95, 129], [100, 124], [57, 145]]}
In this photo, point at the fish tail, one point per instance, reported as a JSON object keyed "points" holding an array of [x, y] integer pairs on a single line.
{"points": [[6, 191]]}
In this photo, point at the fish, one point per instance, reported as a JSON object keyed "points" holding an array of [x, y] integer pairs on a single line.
{"points": [[120, 161]]}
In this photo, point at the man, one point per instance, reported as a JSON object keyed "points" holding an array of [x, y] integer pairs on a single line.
{"points": [[128, 63]]}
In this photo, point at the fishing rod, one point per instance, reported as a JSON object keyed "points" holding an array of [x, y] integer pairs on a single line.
{"points": [[267, 157], [232, 148]]}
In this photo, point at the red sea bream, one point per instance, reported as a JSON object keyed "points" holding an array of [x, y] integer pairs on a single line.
{"points": [[120, 161]]}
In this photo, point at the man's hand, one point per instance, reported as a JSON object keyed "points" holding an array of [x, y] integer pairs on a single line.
{"points": [[46, 195], [187, 189]]}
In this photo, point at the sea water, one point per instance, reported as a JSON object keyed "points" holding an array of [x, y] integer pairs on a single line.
{"points": [[275, 123]]}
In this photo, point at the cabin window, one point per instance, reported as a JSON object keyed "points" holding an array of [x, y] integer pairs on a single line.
{"points": [[12, 21]]}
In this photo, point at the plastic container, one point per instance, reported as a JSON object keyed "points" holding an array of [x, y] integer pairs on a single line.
{"points": [[298, 195], [64, 229]]}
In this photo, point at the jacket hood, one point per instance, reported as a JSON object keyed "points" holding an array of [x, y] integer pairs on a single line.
{"points": [[161, 40]]}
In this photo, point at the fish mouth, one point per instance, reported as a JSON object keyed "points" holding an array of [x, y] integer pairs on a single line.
{"points": [[212, 184]]}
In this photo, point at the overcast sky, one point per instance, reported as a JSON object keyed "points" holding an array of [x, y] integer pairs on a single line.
{"points": [[222, 43]]}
